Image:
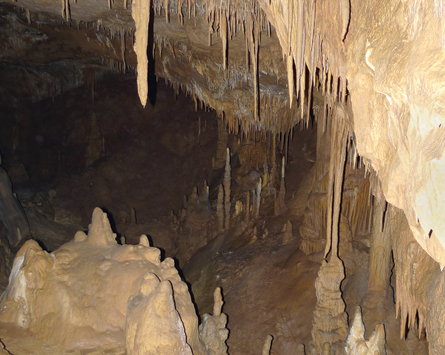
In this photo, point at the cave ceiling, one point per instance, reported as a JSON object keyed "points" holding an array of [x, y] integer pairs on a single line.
{"points": [[261, 65]]}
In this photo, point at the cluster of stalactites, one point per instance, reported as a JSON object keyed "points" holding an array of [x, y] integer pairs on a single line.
{"points": [[308, 49]]}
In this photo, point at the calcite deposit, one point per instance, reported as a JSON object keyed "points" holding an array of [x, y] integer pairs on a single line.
{"points": [[93, 292]]}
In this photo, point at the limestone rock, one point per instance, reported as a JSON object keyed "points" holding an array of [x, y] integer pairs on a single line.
{"points": [[77, 296], [212, 331], [153, 325], [330, 320], [356, 343]]}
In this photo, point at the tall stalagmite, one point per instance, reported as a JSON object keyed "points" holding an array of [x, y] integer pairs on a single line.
{"points": [[330, 324], [227, 182]]}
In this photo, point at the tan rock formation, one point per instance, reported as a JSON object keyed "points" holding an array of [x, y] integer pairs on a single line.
{"points": [[227, 191], [330, 322], [220, 208], [212, 331], [288, 235], [356, 343], [267, 345], [153, 325], [78, 295]]}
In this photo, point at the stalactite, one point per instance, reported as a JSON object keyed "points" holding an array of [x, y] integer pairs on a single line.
{"points": [[380, 251], [309, 99], [267, 345], [224, 37], [247, 216], [66, 12], [122, 37], [141, 15], [330, 186], [256, 72], [273, 156], [338, 182], [167, 11], [345, 16], [290, 78], [227, 182], [220, 209]]}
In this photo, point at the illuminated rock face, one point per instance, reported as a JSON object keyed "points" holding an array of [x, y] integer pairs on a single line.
{"points": [[396, 76], [94, 292]]}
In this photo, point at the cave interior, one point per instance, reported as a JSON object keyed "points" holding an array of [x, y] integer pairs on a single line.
{"points": [[222, 176]]}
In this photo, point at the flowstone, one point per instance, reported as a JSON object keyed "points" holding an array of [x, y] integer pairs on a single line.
{"points": [[94, 293]]}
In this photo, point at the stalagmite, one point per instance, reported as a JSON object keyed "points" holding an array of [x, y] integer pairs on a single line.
{"points": [[204, 196], [220, 209], [330, 319], [356, 343], [326, 349], [217, 302], [288, 235], [141, 14], [266, 175], [227, 182], [257, 199], [281, 202], [267, 345], [300, 350], [273, 155], [28, 16], [212, 331], [194, 198]]}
